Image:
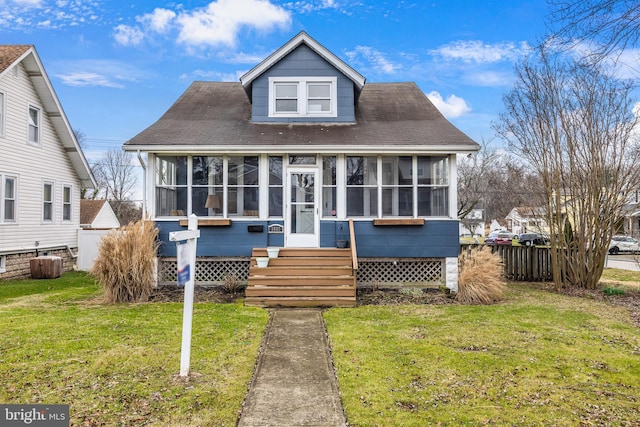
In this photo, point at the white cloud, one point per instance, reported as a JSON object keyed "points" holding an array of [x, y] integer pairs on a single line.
{"points": [[451, 107], [490, 78], [219, 23], [312, 6], [128, 36], [24, 15], [216, 24], [97, 73], [159, 20], [479, 52], [373, 57], [84, 79]]}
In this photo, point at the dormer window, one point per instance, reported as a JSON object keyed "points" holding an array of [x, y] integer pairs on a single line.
{"points": [[303, 97]]}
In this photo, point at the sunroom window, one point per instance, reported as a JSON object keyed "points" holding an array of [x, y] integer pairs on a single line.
{"points": [[243, 186], [409, 186], [362, 186]]}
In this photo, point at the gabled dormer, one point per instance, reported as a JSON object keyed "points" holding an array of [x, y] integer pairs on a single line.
{"points": [[303, 82]]}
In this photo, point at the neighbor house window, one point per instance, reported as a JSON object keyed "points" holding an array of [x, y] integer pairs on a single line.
{"points": [[362, 186], [34, 125], [47, 202], [275, 186], [8, 193], [66, 203], [303, 97]]}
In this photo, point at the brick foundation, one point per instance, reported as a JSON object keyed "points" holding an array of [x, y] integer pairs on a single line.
{"points": [[18, 267]]}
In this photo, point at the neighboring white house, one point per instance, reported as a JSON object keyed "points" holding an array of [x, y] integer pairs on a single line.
{"points": [[42, 168], [97, 219], [97, 214], [527, 220]]}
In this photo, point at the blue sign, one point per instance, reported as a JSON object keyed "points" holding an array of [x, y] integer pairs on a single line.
{"points": [[184, 267]]}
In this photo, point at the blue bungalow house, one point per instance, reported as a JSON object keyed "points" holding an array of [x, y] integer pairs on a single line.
{"points": [[302, 155]]}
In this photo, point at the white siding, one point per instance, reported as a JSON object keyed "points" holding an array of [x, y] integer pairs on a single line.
{"points": [[106, 218], [34, 164]]}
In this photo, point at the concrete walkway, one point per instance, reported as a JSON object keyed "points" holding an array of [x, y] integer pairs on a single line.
{"points": [[294, 383]]}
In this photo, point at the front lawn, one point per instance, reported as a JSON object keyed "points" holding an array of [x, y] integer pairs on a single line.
{"points": [[118, 364], [538, 358]]}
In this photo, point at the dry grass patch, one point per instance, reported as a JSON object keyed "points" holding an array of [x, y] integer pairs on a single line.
{"points": [[480, 280], [125, 264]]}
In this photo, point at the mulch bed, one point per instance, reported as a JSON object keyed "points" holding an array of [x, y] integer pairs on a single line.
{"points": [[394, 296]]}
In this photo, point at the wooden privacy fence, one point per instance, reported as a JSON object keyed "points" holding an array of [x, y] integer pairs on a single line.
{"points": [[522, 263]]}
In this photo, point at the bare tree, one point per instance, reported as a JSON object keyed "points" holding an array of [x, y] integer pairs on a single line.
{"points": [[573, 123], [613, 24], [495, 182], [117, 181], [472, 183]]}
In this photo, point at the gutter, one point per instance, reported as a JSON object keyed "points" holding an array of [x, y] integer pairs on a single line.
{"points": [[144, 185]]}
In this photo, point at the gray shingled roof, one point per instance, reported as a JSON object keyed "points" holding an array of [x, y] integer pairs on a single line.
{"points": [[216, 116]]}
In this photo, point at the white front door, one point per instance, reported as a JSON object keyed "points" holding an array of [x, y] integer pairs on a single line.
{"points": [[302, 220]]}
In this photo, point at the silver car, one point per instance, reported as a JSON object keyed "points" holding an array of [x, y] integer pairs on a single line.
{"points": [[623, 244]]}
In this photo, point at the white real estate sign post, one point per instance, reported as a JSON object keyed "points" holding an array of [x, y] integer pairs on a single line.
{"points": [[186, 277]]}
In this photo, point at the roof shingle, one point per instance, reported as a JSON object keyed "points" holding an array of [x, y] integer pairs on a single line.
{"points": [[10, 53], [218, 115]]}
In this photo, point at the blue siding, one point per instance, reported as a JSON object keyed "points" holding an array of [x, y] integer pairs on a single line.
{"points": [[435, 239], [234, 240], [302, 62]]}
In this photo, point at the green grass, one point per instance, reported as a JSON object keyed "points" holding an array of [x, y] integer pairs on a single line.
{"points": [[538, 358], [621, 276], [118, 364]]}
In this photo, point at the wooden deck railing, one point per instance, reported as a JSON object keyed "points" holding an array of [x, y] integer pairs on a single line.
{"points": [[522, 263], [352, 238]]}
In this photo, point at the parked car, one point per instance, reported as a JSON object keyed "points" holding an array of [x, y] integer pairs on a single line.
{"points": [[491, 238], [532, 239], [504, 238], [623, 244]]}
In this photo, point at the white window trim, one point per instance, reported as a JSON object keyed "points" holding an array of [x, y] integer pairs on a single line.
{"points": [[53, 198], [3, 178], [39, 124], [3, 263], [302, 83], [70, 187]]}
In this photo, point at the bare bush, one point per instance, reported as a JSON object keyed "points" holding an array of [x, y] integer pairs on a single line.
{"points": [[480, 280], [230, 284], [125, 265]]}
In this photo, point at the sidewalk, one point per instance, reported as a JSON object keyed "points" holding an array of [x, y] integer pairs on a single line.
{"points": [[294, 383]]}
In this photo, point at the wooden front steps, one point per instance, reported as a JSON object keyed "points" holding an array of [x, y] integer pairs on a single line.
{"points": [[301, 277]]}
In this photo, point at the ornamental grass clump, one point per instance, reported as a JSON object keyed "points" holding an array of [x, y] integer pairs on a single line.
{"points": [[480, 280], [125, 264]]}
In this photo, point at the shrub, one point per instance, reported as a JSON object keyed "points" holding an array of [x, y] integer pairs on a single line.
{"points": [[230, 283], [125, 265], [480, 279]]}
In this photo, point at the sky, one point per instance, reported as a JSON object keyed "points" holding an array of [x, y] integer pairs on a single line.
{"points": [[117, 66]]}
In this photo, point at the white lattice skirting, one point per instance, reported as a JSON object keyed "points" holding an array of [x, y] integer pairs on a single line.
{"points": [[371, 271]]}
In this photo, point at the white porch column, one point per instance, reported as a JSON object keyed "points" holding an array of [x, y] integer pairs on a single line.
{"points": [[451, 273]]}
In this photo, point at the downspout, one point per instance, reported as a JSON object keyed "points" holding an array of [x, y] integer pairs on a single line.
{"points": [[144, 185]]}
